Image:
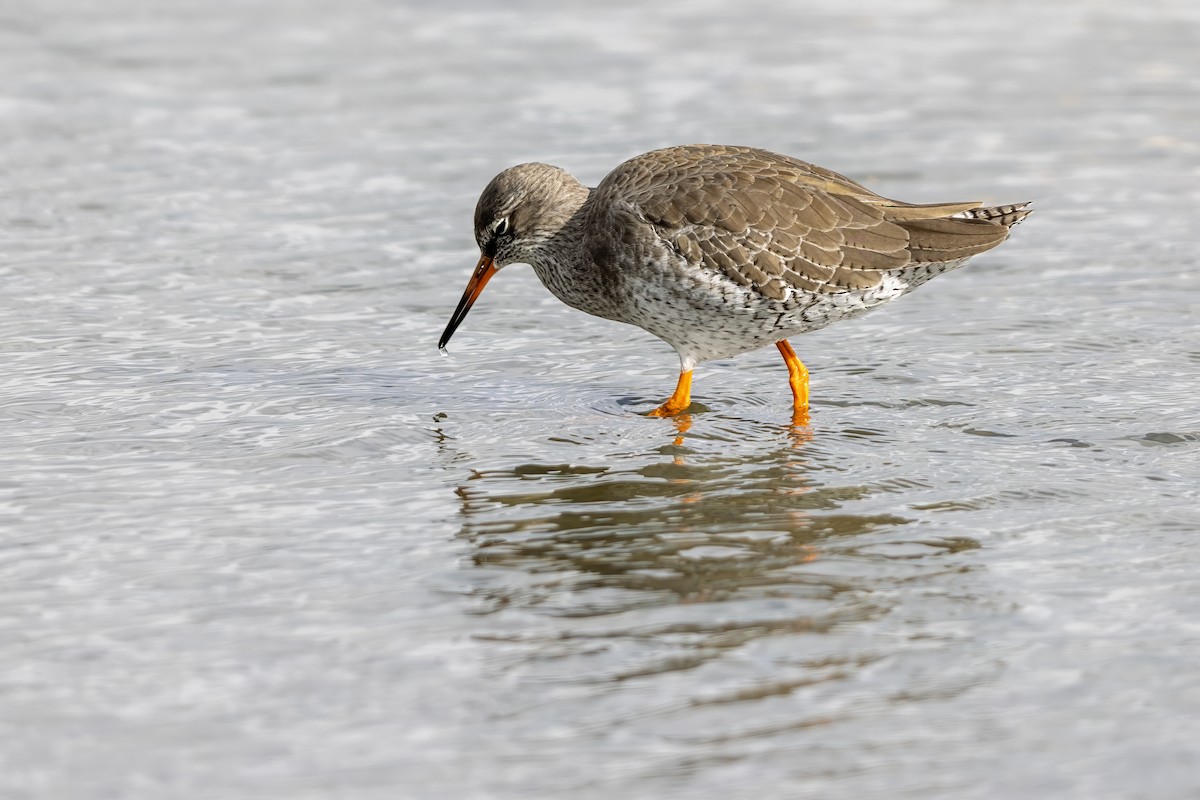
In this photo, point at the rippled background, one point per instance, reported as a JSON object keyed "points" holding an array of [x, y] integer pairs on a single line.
{"points": [[258, 538]]}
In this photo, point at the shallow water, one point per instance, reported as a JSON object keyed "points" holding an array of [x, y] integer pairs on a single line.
{"points": [[259, 539]]}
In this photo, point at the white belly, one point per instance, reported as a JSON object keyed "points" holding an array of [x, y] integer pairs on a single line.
{"points": [[705, 316]]}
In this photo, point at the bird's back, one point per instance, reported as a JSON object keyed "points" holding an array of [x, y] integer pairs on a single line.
{"points": [[781, 226]]}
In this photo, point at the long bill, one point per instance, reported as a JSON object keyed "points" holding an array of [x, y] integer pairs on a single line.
{"points": [[484, 271]]}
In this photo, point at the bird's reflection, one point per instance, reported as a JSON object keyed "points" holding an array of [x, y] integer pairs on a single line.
{"points": [[757, 532], [683, 424], [699, 524]]}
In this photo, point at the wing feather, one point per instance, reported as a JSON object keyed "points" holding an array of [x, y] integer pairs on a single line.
{"points": [[778, 224]]}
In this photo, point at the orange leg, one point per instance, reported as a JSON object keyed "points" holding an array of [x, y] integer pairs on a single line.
{"points": [[797, 377], [679, 401]]}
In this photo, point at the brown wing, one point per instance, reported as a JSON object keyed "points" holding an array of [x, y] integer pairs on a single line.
{"points": [[772, 223]]}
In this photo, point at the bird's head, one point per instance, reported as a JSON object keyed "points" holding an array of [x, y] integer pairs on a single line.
{"points": [[519, 213]]}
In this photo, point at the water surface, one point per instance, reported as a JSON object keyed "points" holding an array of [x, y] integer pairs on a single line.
{"points": [[259, 539]]}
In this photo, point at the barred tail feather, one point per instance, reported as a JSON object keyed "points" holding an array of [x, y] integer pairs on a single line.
{"points": [[999, 215]]}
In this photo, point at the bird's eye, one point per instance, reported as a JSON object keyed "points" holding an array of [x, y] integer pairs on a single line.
{"points": [[501, 227]]}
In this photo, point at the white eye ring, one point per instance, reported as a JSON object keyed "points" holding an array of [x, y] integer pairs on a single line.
{"points": [[501, 227]]}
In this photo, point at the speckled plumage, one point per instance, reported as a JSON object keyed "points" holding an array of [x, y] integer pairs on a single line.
{"points": [[720, 250]]}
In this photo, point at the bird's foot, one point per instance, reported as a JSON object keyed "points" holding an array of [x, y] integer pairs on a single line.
{"points": [[798, 380], [800, 416], [678, 402], [669, 409]]}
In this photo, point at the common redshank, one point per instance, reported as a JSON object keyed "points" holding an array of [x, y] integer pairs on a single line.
{"points": [[720, 250]]}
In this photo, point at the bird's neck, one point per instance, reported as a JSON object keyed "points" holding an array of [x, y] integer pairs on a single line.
{"points": [[564, 263], [567, 231]]}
